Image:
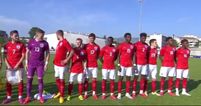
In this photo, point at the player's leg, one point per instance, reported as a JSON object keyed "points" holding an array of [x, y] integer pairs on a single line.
{"points": [[129, 73], [87, 75], [121, 74], [153, 74], [80, 85], [61, 83], [112, 84], [8, 88], [40, 74], [163, 75], [178, 79], [104, 79], [143, 81], [94, 82], [184, 82], [57, 80], [20, 74], [30, 74], [70, 85], [171, 74], [135, 80]]}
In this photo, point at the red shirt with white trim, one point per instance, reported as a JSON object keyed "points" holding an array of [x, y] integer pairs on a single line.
{"points": [[153, 54], [61, 51], [14, 53], [182, 58], [126, 51], [141, 53], [109, 55], [92, 50], [168, 54]]}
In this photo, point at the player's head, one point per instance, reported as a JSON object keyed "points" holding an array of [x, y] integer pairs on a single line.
{"points": [[60, 34], [143, 37], [92, 37], [169, 41], [40, 33], [14, 35], [78, 42], [153, 43], [184, 43], [127, 37], [110, 40]]}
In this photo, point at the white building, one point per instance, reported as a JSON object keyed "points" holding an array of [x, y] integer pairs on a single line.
{"points": [[160, 38], [71, 37]]}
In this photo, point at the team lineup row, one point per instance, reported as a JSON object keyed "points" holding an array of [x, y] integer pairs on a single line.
{"points": [[138, 60]]}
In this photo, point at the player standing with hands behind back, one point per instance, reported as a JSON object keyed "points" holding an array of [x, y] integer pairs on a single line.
{"points": [[182, 54]]}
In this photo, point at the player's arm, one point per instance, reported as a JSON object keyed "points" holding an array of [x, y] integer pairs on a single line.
{"points": [[101, 55], [27, 57], [22, 58], [47, 57], [5, 58], [70, 54], [0, 57], [134, 55], [161, 54]]}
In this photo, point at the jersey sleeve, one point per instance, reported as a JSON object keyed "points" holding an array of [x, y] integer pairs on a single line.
{"points": [[47, 47], [98, 51], [23, 48], [101, 53], [162, 51], [119, 48], [5, 49], [68, 46], [29, 45]]}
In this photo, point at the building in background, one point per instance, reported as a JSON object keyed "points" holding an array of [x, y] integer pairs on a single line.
{"points": [[71, 37], [159, 37]]}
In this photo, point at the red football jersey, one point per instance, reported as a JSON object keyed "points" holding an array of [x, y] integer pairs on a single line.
{"points": [[153, 54], [141, 53], [92, 51], [126, 51], [61, 51], [168, 54], [182, 58], [109, 55], [78, 58], [14, 53]]}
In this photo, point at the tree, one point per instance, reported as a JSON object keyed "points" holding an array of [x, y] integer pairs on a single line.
{"points": [[175, 43], [32, 32]]}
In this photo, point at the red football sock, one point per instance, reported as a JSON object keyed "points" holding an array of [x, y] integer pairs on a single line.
{"points": [[20, 88], [119, 86], [94, 85], [145, 85], [170, 83], [80, 87], [112, 86], [8, 89], [62, 87], [70, 88], [134, 84], [142, 82], [184, 83], [127, 86], [58, 84], [153, 85], [86, 84], [103, 86], [162, 83], [177, 83]]}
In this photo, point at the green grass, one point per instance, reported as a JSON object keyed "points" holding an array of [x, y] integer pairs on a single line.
{"points": [[49, 82]]}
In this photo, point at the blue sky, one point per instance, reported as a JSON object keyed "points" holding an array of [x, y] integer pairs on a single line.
{"points": [[103, 17]]}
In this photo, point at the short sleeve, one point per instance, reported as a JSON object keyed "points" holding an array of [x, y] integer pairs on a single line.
{"points": [[5, 49], [47, 47], [29, 45], [101, 52], [162, 51], [68, 46], [23, 48]]}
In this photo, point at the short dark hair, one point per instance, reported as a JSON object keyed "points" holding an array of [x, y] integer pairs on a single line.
{"points": [[61, 32], [168, 38], [13, 31], [92, 35], [80, 39], [184, 40], [151, 41], [40, 30], [127, 34], [110, 37], [143, 34]]}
